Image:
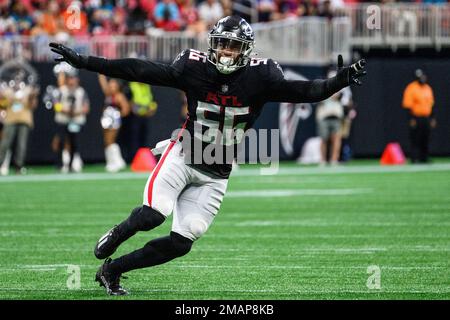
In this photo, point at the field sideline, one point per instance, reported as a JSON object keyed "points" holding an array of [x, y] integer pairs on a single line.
{"points": [[306, 233]]}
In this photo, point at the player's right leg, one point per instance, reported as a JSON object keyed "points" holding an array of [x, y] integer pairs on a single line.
{"points": [[163, 186]]}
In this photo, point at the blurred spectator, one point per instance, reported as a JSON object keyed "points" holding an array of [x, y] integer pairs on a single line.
{"points": [[349, 114], [329, 116], [39, 27], [167, 15], [21, 17], [4, 167], [419, 100], [3, 105], [190, 20], [7, 22], [325, 10], [70, 117], [148, 6], [307, 8], [61, 34], [334, 4], [227, 7], [51, 18], [20, 100], [210, 11], [136, 19], [116, 107], [287, 9], [265, 10], [143, 108], [119, 17]]}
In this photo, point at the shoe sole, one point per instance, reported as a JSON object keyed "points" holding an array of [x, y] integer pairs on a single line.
{"points": [[103, 283]]}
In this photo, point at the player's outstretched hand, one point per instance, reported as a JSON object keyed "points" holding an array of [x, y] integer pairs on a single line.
{"points": [[355, 71], [68, 55]]}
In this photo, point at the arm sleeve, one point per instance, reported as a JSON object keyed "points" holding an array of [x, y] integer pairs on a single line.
{"points": [[297, 91], [153, 73]]}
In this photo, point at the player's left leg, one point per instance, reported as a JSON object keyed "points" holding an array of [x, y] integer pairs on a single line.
{"points": [[194, 212], [197, 206]]}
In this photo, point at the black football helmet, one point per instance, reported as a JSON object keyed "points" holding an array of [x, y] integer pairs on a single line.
{"points": [[235, 34]]}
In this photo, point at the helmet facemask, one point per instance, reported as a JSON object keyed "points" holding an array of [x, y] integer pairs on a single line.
{"points": [[228, 52]]}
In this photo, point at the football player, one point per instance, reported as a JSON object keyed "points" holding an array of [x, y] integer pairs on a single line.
{"points": [[225, 89]]}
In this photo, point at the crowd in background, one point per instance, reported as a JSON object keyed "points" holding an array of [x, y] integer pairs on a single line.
{"points": [[131, 17]]}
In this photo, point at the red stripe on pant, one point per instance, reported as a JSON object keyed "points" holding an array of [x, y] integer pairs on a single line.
{"points": [[160, 163], [155, 173]]}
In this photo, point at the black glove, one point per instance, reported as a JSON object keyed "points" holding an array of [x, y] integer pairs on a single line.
{"points": [[355, 71], [70, 56]]}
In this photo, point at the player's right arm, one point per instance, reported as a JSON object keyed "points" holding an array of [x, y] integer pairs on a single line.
{"points": [[153, 73]]}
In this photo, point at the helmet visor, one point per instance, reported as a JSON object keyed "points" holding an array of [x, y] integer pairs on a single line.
{"points": [[220, 43]]}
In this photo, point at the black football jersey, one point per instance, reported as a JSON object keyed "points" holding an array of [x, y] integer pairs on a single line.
{"points": [[220, 104]]}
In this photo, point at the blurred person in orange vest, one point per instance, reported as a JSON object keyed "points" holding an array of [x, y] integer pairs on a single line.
{"points": [[419, 100]]}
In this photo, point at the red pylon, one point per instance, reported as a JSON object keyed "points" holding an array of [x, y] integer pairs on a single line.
{"points": [[144, 161], [393, 154]]}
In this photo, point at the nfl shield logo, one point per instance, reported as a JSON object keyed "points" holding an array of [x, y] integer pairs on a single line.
{"points": [[224, 88]]}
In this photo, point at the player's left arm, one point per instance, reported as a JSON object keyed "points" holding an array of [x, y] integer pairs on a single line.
{"points": [[297, 91]]}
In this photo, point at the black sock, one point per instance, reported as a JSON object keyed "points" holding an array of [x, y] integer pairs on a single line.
{"points": [[157, 251], [141, 219]]}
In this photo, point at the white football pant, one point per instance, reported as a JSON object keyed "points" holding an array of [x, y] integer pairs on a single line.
{"points": [[193, 197]]}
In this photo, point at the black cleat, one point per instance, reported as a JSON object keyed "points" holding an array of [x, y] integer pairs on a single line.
{"points": [[109, 280], [107, 244]]}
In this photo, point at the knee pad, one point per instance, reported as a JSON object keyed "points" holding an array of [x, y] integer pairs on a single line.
{"points": [[163, 204], [181, 245], [146, 218], [194, 225]]}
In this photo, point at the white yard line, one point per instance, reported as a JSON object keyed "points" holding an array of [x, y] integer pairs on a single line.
{"points": [[345, 169], [238, 173], [264, 193]]}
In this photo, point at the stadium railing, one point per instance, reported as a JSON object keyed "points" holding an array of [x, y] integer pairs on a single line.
{"points": [[305, 40], [409, 25]]}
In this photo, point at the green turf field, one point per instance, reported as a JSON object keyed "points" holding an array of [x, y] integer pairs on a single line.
{"points": [[306, 233]]}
